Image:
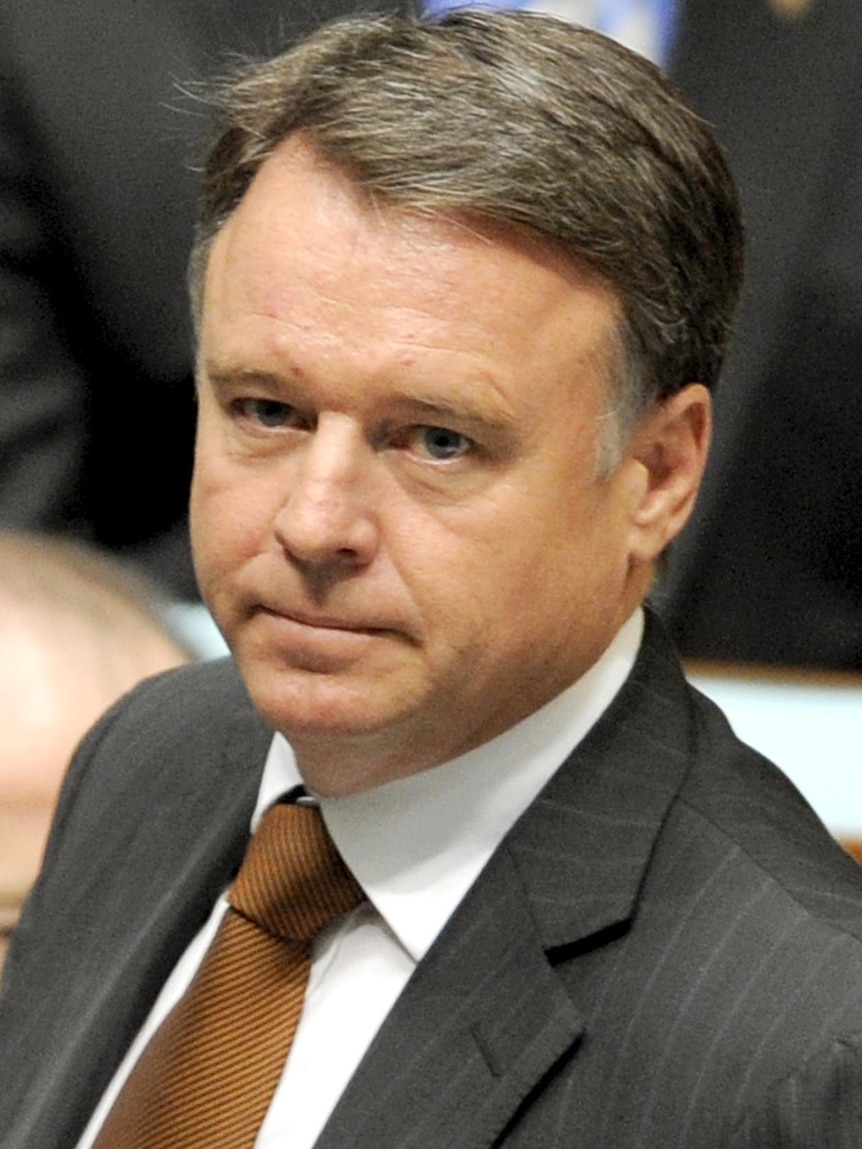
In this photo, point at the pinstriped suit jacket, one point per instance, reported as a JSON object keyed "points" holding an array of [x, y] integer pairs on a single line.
{"points": [[665, 951]]}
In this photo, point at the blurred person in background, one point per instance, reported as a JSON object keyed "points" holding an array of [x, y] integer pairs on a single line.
{"points": [[77, 630]]}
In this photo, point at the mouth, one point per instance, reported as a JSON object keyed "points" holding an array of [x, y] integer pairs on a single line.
{"points": [[313, 621], [321, 643]]}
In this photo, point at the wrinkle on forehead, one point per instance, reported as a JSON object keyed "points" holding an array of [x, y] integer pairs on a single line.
{"points": [[356, 221]]}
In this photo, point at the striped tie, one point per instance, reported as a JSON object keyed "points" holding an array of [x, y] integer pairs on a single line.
{"points": [[208, 1075]]}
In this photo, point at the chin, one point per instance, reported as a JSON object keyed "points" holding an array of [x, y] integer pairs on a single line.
{"points": [[305, 705]]}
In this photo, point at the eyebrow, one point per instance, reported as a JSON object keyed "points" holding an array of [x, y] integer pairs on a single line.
{"points": [[223, 375], [489, 414]]}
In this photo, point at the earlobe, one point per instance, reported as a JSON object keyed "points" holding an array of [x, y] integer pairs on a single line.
{"points": [[670, 444]]}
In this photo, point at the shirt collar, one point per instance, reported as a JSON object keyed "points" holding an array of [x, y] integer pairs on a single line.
{"points": [[417, 844]]}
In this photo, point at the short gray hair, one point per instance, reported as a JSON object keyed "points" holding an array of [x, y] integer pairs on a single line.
{"points": [[523, 118]]}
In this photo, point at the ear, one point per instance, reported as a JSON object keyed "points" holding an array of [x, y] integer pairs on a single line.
{"points": [[669, 446]]}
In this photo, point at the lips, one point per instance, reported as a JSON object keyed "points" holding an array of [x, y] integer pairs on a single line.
{"points": [[325, 622]]}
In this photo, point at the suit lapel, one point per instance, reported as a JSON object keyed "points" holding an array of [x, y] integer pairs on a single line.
{"points": [[485, 1018], [448, 1049]]}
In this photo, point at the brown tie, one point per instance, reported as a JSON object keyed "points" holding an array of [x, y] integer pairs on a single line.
{"points": [[208, 1075]]}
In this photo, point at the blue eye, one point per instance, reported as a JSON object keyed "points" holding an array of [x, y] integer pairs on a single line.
{"points": [[440, 443], [267, 412]]}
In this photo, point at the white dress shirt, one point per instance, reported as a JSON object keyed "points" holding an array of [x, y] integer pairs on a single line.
{"points": [[416, 846]]}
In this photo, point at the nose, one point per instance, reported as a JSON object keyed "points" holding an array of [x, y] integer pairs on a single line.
{"points": [[325, 522]]}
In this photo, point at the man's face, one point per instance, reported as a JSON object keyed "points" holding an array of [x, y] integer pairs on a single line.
{"points": [[397, 517]]}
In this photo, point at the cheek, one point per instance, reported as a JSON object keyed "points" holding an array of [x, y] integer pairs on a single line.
{"points": [[467, 577], [548, 560], [228, 520]]}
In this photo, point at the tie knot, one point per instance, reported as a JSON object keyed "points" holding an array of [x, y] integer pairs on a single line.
{"points": [[293, 881]]}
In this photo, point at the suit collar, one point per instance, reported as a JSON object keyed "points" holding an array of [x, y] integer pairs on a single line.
{"points": [[582, 848], [417, 844]]}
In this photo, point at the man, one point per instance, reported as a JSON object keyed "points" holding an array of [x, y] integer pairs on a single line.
{"points": [[77, 630], [463, 288]]}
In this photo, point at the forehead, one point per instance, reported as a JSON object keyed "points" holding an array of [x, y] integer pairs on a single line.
{"points": [[307, 253]]}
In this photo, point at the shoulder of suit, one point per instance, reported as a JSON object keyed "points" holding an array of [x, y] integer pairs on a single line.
{"points": [[200, 705], [212, 689], [217, 680], [747, 801]]}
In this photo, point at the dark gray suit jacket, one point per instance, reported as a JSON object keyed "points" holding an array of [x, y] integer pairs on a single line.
{"points": [[665, 951]]}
